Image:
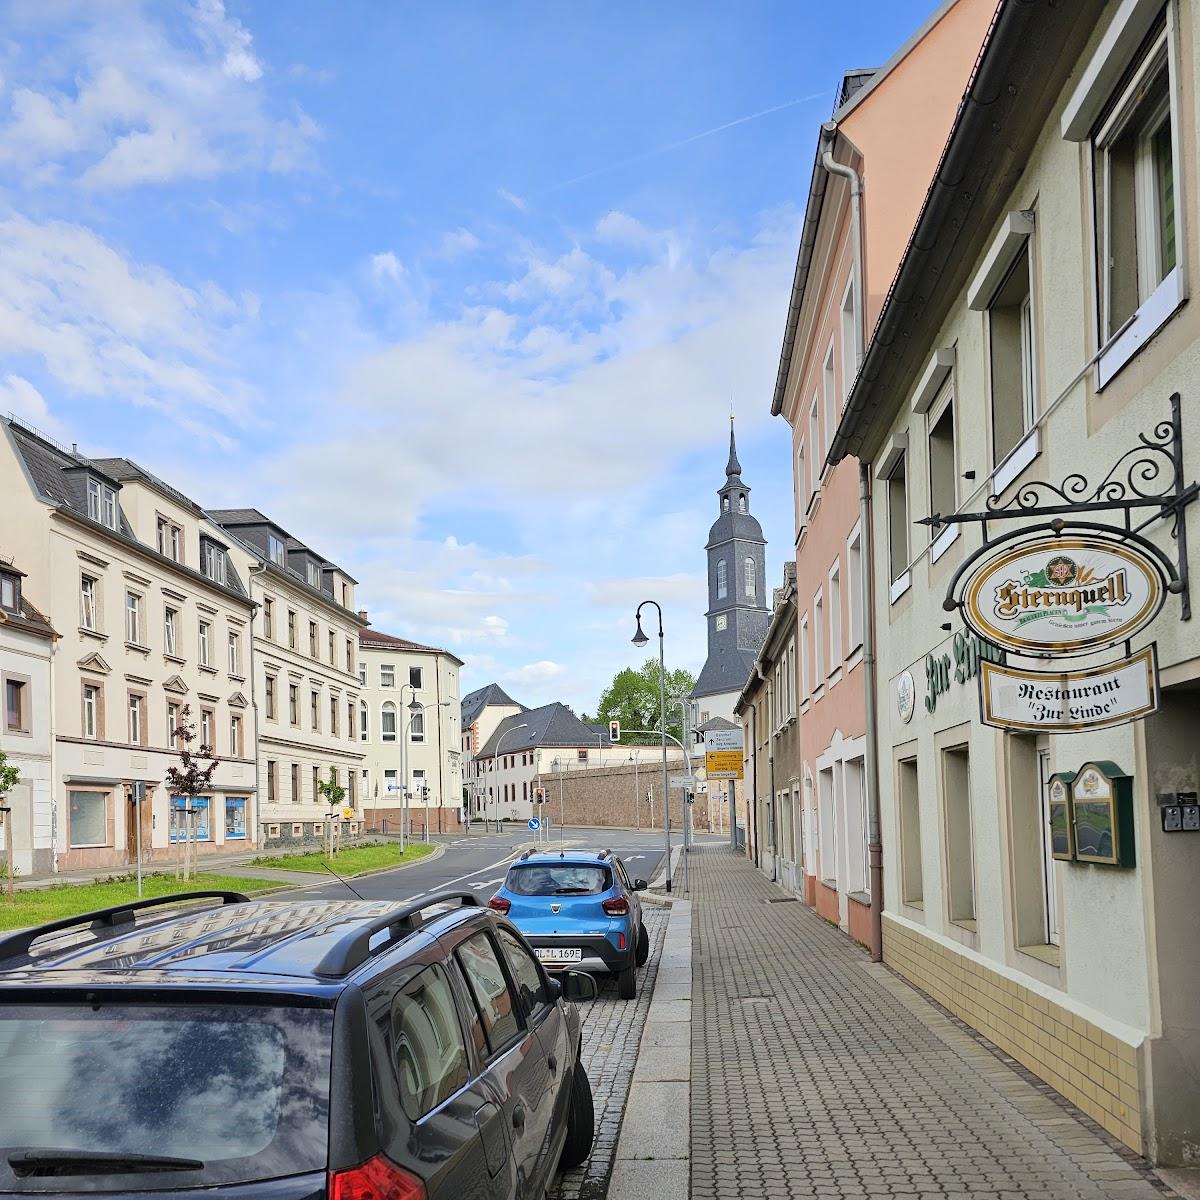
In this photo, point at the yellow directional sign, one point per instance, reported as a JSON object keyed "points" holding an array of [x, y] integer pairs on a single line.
{"points": [[723, 764]]}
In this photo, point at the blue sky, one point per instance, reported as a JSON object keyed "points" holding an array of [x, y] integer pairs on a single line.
{"points": [[459, 293]]}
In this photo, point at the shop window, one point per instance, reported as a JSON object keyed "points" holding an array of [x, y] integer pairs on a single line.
{"points": [[193, 827], [88, 825], [235, 818], [912, 890], [960, 851]]}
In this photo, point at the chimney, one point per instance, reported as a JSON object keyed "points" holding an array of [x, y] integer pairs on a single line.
{"points": [[362, 616]]}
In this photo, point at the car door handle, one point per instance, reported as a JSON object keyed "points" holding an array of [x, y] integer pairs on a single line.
{"points": [[552, 1063], [519, 1117]]}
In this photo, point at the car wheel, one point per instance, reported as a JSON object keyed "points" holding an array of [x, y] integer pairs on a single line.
{"points": [[581, 1121], [643, 946], [627, 983]]}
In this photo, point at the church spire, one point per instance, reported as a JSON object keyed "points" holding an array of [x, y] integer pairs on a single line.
{"points": [[732, 467]]}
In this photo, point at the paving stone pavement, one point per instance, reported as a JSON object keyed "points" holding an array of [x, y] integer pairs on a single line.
{"points": [[816, 1072], [612, 1031]]}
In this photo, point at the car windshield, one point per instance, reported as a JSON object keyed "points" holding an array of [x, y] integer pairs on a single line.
{"points": [[118, 1090], [559, 879]]}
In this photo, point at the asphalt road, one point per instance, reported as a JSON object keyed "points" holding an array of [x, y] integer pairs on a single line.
{"points": [[478, 863]]}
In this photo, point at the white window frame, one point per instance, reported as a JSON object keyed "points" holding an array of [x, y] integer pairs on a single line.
{"points": [[364, 722], [204, 643], [749, 583], [276, 550], [389, 709], [420, 677], [801, 487], [89, 603], [805, 681], [855, 593], [818, 644], [91, 711], [829, 396], [133, 618], [102, 503], [235, 654], [171, 631], [313, 574], [850, 326], [214, 563], [722, 579], [814, 442], [833, 587], [387, 675]]}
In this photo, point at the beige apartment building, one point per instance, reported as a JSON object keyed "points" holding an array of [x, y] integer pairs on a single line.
{"points": [[480, 712], [417, 749], [1036, 364], [152, 616], [305, 679]]}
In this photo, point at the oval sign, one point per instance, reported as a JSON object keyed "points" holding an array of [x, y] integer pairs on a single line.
{"points": [[1063, 595]]}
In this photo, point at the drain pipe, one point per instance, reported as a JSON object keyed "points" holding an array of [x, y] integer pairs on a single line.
{"points": [[874, 842], [849, 173]]}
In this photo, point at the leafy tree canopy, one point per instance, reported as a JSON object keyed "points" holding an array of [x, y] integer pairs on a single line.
{"points": [[632, 699]]}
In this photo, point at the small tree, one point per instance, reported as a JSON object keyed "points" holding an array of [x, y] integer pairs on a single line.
{"points": [[9, 778], [189, 780], [334, 794]]}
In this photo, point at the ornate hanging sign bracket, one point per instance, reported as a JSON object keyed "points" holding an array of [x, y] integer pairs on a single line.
{"points": [[1070, 585]]}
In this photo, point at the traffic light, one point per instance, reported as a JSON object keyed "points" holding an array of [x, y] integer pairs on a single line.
{"points": [[539, 795], [614, 731]]}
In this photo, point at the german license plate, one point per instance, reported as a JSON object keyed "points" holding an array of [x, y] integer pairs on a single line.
{"points": [[557, 954]]}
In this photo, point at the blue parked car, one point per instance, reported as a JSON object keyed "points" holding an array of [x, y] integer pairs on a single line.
{"points": [[578, 910]]}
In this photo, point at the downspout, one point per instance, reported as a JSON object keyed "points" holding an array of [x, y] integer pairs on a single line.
{"points": [[771, 814], [856, 239], [874, 843], [770, 769]]}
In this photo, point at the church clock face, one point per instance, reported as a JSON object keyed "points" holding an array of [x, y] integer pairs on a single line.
{"points": [[722, 622]]}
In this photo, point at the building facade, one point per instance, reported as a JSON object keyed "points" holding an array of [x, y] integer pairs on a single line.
{"points": [[421, 750], [26, 737], [305, 678], [1039, 327], [153, 617], [480, 712], [888, 130]]}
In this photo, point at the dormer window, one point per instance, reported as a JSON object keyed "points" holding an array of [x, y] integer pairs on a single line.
{"points": [[10, 592], [102, 503], [314, 575], [276, 550], [214, 563]]}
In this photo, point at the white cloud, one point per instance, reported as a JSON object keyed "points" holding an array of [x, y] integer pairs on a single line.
{"points": [[535, 674], [458, 242], [19, 397], [518, 202], [386, 266]]}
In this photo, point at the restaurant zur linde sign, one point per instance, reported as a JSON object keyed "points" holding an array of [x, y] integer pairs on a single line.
{"points": [[1063, 595]]}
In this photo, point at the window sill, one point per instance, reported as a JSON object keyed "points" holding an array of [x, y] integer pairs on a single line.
{"points": [[1152, 314], [964, 923], [207, 670], [854, 658], [943, 542], [13, 732], [92, 633], [138, 647], [174, 658], [898, 587], [814, 502], [1050, 955], [1015, 462], [919, 905], [237, 678], [818, 692], [834, 676]]}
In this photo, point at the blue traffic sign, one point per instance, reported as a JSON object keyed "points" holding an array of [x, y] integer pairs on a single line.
{"points": [[534, 823]]}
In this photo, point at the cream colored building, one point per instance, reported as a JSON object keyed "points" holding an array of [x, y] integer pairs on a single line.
{"points": [[26, 737], [152, 616], [305, 677], [1039, 325], [418, 750]]}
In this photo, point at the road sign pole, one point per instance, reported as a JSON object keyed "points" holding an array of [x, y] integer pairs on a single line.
{"points": [[733, 813]]}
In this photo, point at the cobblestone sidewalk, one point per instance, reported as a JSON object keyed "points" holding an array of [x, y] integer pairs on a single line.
{"points": [[612, 1031], [818, 1073]]}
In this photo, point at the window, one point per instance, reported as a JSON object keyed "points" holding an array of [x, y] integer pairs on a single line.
{"points": [[213, 562], [805, 678], [582, 755], [897, 502], [137, 726], [835, 618], [849, 340], [818, 631], [16, 706], [205, 643], [235, 654], [332, 648], [291, 629], [364, 722], [1012, 363], [169, 538], [1137, 199], [276, 550], [207, 730], [171, 631], [494, 1002], [272, 782], [854, 592], [1049, 880], [960, 860], [193, 825], [350, 718], [314, 711], [814, 443], [295, 783], [854, 804], [801, 488], [89, 819], [236, 749], [235, 818], [722, 581], [316, 782], [294, 703], [428, 1051], [350, 658], [416, 727], [102, 503], [742, 502], [724, 503], [748, 578], [362, 673], [912, 889], [943, 476], [270, 697], [313, 633], [387, 675], [133, 618], [421, 792], [93, 714], [268, 618], [827, 832], [414, 678], [527, 975], [830, 398], [390, 783], [89, 603], [313, 574], [334, 727], [10, 592], [172, 724], [389, 722]]}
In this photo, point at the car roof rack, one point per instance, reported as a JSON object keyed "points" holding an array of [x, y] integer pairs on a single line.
{"points": [[605, 853], [527, 854], [17, 944], [352, 950]]}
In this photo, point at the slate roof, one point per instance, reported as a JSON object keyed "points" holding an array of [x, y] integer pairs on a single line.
{"points": [[27, 617], [475, 702], [124, 469], [372, 638], [726, 670], [551, 725], [717, 723]]}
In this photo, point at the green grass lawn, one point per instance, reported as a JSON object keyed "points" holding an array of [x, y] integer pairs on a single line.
{"points": [[352, 861], [34, 906]]}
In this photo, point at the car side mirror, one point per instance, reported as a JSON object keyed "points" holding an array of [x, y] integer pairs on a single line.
{"points": [[578, 986], [553, 988], [640, 885]]}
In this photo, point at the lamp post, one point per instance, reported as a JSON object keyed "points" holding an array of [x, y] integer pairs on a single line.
{"points": [[496, 758], [414, 707], [640, 640]]}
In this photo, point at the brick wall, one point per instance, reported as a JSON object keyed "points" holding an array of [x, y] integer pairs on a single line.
{"points": [[604, 796], [1094, 1070]]}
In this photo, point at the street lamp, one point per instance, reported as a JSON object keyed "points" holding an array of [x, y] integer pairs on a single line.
{"points": [[496, 758], [414, 707], [640, 640]]}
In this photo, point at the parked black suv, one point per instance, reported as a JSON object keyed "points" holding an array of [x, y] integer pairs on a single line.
{"points": [[290, 1051]]}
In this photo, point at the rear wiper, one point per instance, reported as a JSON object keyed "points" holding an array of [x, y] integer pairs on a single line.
{"points": [[94, 1162], [572, 891]]}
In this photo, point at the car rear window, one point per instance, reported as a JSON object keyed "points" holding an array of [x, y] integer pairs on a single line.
{"points": [[243, 1090], [559, 879]]}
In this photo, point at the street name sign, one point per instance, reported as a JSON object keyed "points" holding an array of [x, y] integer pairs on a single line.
{"points": [[682, 781]]}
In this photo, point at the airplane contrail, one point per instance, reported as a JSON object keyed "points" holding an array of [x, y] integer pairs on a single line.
{"points": [[687, 141]]}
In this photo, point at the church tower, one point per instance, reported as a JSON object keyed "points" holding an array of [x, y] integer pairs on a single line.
{"points": [[738, 614]]}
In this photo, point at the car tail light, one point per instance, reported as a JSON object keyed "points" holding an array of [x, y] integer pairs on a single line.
{"points": [[377, 1179], [618, 906], [499, 904]]}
